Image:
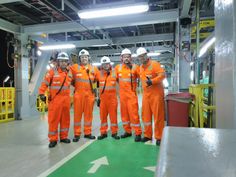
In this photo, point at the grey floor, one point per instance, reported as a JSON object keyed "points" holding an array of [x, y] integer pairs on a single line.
{"points": [[24, 148]]}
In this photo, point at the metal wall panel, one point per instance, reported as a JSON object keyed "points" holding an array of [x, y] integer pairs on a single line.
{"points": [[225, 63]]}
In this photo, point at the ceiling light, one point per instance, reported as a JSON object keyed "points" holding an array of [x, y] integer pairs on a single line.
{"points": [[39, 53], [115, 11], [59, 46], [153, 54], [96, 64], [6, 79], [206, 46], [99, 45], [134, 55]]}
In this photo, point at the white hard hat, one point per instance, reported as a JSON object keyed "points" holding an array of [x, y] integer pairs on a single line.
{"points": [[125, 51], [141, 51], [105, 59], [83, 52], [62, 56]]}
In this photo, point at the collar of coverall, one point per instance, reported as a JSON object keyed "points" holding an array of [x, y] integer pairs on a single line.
{"points": [[84, 66], [60, 70], [148, 63], [105, 71]]}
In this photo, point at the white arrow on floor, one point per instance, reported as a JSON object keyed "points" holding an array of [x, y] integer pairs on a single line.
{"points": [[97, 163], [151, 168]]}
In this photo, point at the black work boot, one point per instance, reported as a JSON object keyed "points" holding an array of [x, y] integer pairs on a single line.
{"points": [[125, 135], [158, 142], [90, 137], [102, 136], [66, 140], [145, 139], [52, 144], [76, 138], [137, 138], [115, 136]]}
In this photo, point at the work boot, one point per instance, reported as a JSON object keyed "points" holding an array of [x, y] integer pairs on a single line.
{"points": [[90, 137], [137, 138], [158, 142], [115, 136], [145, 139], [52, 144], [125, 135], [76, 138], [66, 140], [102, 136]]}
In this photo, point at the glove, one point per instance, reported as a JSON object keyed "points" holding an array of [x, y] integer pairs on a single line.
{"points": [[148, 82], [98, 102], [42, 98]]}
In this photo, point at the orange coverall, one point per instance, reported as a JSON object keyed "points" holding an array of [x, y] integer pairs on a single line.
{"points": [[83, 97], [128, 97], [108, 104], [153, 98], [59, 106]]}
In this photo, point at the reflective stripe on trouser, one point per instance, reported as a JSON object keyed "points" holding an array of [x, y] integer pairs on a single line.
{"points": [[129, 112], [59, 113], [83, 105], [153, 105], [108, 106]]}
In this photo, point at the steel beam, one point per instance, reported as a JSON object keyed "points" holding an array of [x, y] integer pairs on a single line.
{"points": [[9, 1], [8, 26], [131, 20], [185, 8], [144, 38], [111, 52], [114, 41]]}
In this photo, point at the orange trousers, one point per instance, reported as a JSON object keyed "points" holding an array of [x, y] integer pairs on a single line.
{"points": [[129, 112], [108, 105], [59, 113], [153, 105], [83, 105]]}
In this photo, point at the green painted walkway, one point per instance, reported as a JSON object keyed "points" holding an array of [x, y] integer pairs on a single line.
{"points": [[125, 158]]}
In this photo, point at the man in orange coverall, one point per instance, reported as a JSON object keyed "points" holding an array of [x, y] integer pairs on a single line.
{"points": [[108, 99], [152, 75], [58, 80], [84, 76], [127, 74]]}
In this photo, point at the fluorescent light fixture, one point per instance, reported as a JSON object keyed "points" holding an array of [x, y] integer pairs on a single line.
{"points": [[134, 55], [48, 67], [153, 54], [39, 53], [6, 79], [51, 65], [96, 64], [118, 53], [99, 45], [206, 46], [59, 46], [115, 11], [165, 83], [192, 75]]}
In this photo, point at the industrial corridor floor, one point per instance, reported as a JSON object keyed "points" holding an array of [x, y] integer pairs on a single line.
{"points": [[24, 152]]}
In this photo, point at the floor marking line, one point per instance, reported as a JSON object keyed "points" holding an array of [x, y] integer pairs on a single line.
{"points": [[65, 159]]}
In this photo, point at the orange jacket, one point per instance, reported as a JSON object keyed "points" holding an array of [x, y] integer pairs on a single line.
{"points": [[124, 77], [54, 79], [81, 76], [156, 73], [110, 81]]}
